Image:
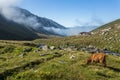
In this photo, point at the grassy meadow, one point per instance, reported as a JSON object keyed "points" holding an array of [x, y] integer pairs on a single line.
{"points": [[18, 64]]}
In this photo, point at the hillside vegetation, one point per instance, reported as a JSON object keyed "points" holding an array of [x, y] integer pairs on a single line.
{"points": [[104, 37], [25, 60], [20, 61]]}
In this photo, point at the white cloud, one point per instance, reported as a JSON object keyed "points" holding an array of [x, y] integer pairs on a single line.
{"points": [[82, 26], [8, 10], [94, 21], [70, 31], [8, 3]]}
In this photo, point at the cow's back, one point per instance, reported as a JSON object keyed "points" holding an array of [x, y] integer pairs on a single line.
{"points": [[97, 57]]}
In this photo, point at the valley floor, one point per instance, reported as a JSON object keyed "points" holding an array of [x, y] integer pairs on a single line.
{"points": [[16, 64]]}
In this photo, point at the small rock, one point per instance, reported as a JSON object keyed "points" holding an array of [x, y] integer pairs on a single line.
{"points": [[72, 57], [52, 47]]}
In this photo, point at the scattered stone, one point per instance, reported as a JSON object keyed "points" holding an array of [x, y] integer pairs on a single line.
{"points": [[85, 33], [35, 71], [72, 57], [52, 47], [44, 54], [68, 49], [43, 47], [22, 55], [36, 51]]}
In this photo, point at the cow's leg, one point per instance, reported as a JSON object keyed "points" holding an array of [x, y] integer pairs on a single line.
{"points": [[103, 62], [92, 61]]}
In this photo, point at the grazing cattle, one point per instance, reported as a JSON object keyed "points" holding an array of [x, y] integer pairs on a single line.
{"points": [[97, 58]]}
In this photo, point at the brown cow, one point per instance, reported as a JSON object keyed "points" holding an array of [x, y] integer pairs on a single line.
{"points": [[98, 58]]}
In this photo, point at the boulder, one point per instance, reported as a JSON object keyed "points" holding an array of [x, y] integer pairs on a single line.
{"points": [[43, 47], [52, 47], [72, 57]]}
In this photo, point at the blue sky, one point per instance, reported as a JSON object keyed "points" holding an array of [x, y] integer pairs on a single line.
{"points": [[72, 13]]}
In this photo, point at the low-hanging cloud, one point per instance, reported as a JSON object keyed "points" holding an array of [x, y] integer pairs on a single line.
{"points": [[82, 27], [70, 31], [10, 12]]}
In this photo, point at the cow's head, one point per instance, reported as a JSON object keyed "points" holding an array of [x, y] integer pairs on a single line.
{"points": [[88, 60]]}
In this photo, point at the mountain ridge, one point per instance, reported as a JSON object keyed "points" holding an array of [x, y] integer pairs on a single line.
{"points": [[11, 30]]}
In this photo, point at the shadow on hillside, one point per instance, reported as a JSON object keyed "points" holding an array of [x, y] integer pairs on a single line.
{"points": [[114, 69], [104, 75]]}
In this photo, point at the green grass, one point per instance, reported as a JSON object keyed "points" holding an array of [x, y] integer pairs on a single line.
{"points": [[32, 66], [110, 41], [101, 39], [63, 68], [53, 67]]}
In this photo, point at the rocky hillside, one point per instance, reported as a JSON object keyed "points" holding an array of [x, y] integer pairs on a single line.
{"points": [[111, 29], [104, 37], [110, 34]]}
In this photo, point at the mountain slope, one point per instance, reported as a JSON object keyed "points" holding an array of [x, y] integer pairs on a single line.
{"points": [[112, 27], [42, 23], [109, 34], [10, 30], [104, 37]]}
